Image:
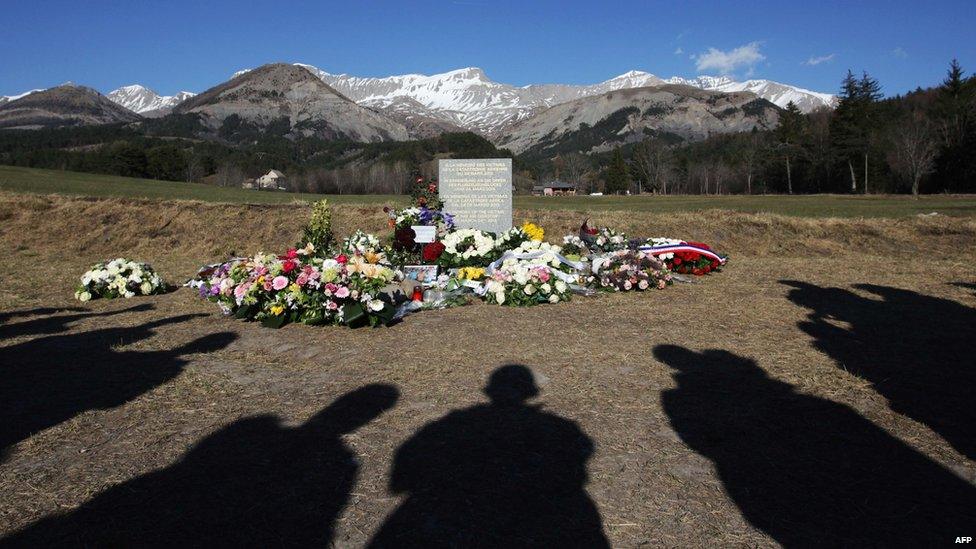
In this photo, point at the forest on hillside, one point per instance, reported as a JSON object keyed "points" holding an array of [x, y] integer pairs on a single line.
{"points": [[920, 142]]}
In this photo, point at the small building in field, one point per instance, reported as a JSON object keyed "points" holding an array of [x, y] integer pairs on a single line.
{"points": [[274, 180], [554, 188]]}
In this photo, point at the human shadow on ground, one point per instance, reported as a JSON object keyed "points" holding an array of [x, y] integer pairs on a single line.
{"points": [[48, 380], [806, 470], [916, 350], [56, 324], [254, 483], [501, 474], [38, 311]]}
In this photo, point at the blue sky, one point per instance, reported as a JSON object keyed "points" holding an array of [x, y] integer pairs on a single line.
{"points": [[174, 45]]}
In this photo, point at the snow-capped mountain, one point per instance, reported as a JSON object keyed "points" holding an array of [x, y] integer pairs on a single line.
{"points": [[145, 101], [7, 98], [469, 99]]}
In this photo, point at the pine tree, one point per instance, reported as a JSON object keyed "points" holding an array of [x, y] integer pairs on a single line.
{"points": [[618, 175], [788, 133], [952, 103], [954, 115], [852, 126]]}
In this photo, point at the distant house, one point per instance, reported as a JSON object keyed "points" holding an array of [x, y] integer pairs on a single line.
{"points": [[554, 188], [272, 181]]}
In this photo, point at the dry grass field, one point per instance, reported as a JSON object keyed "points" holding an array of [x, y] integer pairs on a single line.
{"points": [[818, 391]]}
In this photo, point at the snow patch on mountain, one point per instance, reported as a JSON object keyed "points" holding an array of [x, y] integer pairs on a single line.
{"points": [[8, 98], [775, 92]]}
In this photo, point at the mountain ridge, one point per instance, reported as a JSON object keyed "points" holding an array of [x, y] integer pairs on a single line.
{"points": [[293, 101], [64, 105], [618, 117]]}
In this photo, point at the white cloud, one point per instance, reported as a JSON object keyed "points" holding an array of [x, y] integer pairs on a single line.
{"points": [[727, 62], [899, 52], [679, 51], [818, 59]]}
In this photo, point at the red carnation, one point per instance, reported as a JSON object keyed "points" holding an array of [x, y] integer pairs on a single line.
{"points": [[433, 251], [676, 260], [341, 258], [697, 272], [288, 266]]}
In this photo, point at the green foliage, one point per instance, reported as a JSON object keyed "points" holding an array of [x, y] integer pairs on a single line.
{"points": [[318, 231], [166, 162]]}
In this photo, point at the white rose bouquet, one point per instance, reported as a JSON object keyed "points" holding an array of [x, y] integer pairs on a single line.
{"points": [[467, 248], [119, 278]]}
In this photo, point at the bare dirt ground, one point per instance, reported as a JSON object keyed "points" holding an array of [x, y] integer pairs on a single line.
{"points": [[818, 391]]}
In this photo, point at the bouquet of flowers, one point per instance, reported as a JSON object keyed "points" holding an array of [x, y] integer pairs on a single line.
{"points": [[516, 236], [422, 215], [298, 287], [689, 257], [594, 241], [119, 278], [627, 270], [361, 242], [425, 193], [402, 222], [522, 283], [467, 248]]}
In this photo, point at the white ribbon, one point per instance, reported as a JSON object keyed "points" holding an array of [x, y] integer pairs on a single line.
{"points": [[565, 277]]}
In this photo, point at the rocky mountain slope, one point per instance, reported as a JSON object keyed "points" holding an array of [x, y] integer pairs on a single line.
{"points": [[676, 112], [65, 105], [147, 102], [280, 92]]}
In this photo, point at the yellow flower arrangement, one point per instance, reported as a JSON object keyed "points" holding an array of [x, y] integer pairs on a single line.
{"points": [[534, 231], [471, 273]]}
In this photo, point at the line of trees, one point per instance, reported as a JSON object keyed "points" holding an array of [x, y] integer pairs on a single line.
{"points": [[922, 142]]}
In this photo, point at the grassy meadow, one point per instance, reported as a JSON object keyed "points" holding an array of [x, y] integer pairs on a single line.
{"points": [[17, 179]]}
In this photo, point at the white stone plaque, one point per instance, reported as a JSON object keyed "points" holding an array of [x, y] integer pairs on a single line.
{"points": [[478, 192]]}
